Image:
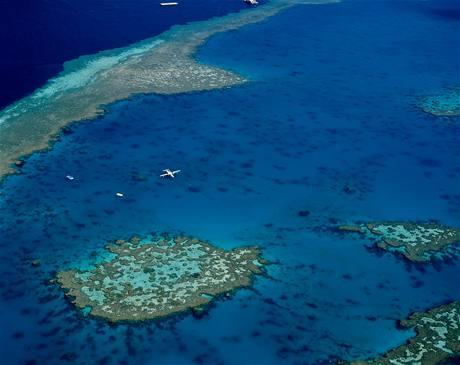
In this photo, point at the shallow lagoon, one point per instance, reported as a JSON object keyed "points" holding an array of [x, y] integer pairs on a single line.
{"points": [[327, 133]]}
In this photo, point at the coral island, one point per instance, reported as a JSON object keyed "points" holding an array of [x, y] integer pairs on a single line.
{"points": [[147, 279]]}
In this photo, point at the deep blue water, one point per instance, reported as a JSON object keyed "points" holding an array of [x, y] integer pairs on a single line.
{"points": [[327, 125], [37, 36]]}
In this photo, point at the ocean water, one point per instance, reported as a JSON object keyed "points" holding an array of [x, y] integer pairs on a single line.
{"points": [[325, 133]]}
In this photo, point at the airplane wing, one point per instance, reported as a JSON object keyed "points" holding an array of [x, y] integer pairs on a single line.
{"points": [[163, 175], [176, 171]]}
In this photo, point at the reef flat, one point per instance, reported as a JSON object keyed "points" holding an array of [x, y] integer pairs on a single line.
{"points": [[164, 64], [445, 103], [437, 339], [418, 242], [151, 279]]}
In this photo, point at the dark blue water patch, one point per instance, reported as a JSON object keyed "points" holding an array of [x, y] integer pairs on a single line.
{"points": [[38, 36], [446, 10], [452, 14], [325, 135]]}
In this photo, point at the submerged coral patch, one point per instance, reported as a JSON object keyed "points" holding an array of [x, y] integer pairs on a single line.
{"points": [[437, 339], [151, 279], [416, 241], [446, 103]]}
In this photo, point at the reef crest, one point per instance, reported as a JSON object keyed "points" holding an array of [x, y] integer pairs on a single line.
{"points": [[148, 279]]}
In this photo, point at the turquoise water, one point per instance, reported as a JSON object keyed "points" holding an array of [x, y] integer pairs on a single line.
{"points": [[326, 133]]}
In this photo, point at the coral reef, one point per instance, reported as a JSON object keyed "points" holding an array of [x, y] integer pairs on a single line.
{"points": [[148, 279], [165, 64], [446, 103], [418, 242], [437, 339]]}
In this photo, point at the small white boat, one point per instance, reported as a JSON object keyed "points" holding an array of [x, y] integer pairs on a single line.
{"points": [[119, 194], [169, 4], [251, 2], [69, 177]]}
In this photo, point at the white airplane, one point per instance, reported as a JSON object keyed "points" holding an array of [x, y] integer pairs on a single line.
{"points": [[169, 173]]}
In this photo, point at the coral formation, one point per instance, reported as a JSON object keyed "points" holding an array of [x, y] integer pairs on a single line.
{"points": [[416, 241], [437, 339], [165, 64], [446, 103], [151, 279]]}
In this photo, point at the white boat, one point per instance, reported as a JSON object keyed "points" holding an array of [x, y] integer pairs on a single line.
{"points": [[69, 177], [251, 2], [169, 4], [119, 194]]}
